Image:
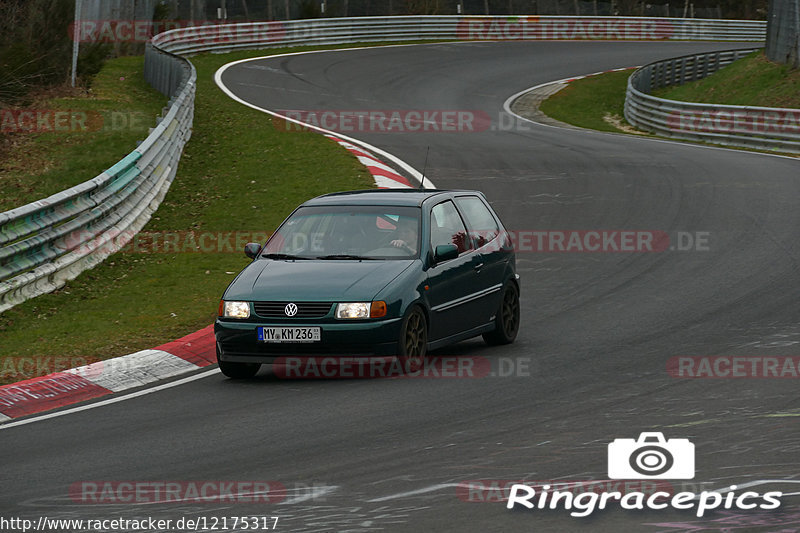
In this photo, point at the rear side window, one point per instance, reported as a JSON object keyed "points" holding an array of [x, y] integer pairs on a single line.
{"points": [[448, 228], [483, 227]]}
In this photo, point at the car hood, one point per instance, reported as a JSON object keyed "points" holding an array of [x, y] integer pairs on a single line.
{"points": [[314, 280]]}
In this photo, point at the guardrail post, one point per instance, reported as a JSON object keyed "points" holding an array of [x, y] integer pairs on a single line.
{"points": [[682, 73]]}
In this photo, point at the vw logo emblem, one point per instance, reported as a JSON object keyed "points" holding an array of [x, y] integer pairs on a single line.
{"points": [[290, 309]]}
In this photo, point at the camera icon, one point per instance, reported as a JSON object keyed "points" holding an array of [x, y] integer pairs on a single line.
{"points": [[651, 457]]}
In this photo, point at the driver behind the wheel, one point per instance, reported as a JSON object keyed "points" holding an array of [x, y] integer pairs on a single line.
{"points": [[405, 236]]}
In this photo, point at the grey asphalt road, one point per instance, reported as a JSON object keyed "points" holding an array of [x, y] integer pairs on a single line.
{"points": [[589, 366]]}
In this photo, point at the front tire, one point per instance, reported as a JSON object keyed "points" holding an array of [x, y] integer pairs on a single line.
{"points": [[506, 320], [413, 342]]}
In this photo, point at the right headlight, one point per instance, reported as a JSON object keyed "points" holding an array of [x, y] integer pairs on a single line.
{"points": [[234, 309]]}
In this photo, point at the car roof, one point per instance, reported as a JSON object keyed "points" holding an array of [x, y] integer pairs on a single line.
{"points": [[407, 197]]}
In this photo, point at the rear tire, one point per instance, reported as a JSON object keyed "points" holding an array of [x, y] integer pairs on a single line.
{"points": [[506, 320], [413, 342]]}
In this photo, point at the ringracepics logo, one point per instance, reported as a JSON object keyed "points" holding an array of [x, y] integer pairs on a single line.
{"points": [[651, 456]]}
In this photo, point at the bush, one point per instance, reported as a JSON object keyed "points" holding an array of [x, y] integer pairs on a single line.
{"points": [[35, 45]]}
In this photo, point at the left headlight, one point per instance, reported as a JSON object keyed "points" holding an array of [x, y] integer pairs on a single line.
{"points": [[234, 309], [375, 309]]}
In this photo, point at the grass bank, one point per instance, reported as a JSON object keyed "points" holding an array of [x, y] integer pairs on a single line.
{"points": [[238, 174], [596, 102], [88, 132], [751, 81]]}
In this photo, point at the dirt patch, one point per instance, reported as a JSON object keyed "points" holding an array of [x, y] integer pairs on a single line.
{"points": [[619, 123]]}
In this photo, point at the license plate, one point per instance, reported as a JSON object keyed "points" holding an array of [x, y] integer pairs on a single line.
{"points": [[288, 334]]}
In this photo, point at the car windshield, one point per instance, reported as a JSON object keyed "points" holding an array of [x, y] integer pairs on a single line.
{"points": [[348, 233]]}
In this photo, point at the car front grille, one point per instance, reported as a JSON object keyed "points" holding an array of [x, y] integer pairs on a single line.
{"points": [[304, 309]]}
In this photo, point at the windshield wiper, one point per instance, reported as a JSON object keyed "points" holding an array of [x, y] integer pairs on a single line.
{"points": [[283, 256], [345, 256]]}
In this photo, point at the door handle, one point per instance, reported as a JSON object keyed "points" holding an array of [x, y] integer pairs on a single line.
{"points": [[478, 266]]}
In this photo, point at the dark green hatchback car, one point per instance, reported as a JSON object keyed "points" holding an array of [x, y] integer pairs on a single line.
{"points": [[372, 273]]}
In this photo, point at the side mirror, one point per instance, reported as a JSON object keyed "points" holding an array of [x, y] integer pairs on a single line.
{"points": [[445, 252], [251, 249]]}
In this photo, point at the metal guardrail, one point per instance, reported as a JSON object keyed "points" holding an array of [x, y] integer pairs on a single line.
{"points": [[762, 128], [48, 242], [228, 37]]}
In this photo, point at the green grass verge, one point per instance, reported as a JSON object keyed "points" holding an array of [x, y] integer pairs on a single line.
{"points": [[117, 112], [752, 81], [238, 174], [590, 102], [597, 102]]}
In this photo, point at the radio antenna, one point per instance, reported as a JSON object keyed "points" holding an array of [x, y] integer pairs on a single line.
{"points": [[424, 168]]}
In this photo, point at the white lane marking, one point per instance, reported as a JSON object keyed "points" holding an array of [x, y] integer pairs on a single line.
{"points": [[510, 100], [134, 370], [424, 490], [402, 164], [157, 388]]}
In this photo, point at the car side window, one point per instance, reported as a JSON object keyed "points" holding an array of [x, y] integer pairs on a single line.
{"points": [[483, 227], [448, 228]]}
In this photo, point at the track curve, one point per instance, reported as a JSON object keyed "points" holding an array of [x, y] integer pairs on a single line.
{"points": [[598, 328]]}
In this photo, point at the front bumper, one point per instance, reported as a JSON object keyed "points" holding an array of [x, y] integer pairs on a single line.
{"points": [[237, 341]]}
